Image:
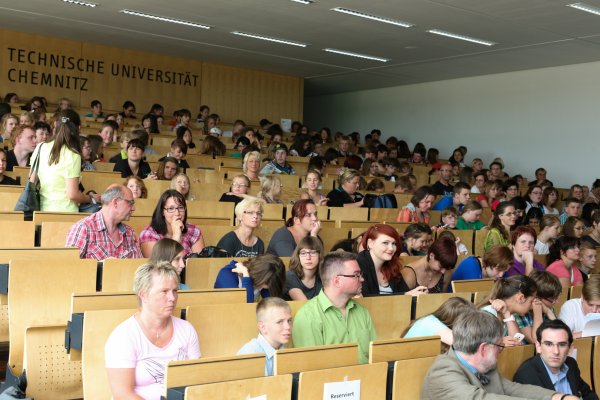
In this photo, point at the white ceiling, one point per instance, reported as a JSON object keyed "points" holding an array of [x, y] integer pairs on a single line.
{"points": [[528, 33]]}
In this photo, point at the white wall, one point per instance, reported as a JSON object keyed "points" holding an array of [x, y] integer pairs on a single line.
{"points": [[544, 117]]}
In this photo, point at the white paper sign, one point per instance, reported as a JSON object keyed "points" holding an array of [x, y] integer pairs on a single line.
{"points": [[346, 390], [286, 124]]}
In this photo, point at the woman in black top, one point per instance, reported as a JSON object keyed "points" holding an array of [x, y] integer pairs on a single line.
{"points": [[5, 180], [345, 195], [379, 263]]}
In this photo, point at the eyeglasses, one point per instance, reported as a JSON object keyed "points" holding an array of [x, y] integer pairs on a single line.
{"points": [[560, 345], [257, 213], [357, 275], [131, 202], [239, 185], [312, 253], [171, 210], [499, 346]]}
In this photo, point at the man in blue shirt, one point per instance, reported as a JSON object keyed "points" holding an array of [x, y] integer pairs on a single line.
{"points": [[552, 368], [274, 318]]}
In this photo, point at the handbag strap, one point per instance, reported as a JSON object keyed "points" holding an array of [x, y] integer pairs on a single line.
{"points": [[36, 162]]}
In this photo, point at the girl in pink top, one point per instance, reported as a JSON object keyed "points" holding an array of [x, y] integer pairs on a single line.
{"points": [[565, 253]]}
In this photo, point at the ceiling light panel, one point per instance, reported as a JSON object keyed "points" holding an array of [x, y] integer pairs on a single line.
{"points": [[81, 3], [165, 19], [305, 2], [461, 37], [372, 17], [585, 7], [357, 55], [269, 39]]}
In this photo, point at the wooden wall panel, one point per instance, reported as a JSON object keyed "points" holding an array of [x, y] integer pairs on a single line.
{"points": [[229, 91]]}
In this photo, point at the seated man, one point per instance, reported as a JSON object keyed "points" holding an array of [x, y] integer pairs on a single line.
{"points": [[333, 317], [459, 198], [102, 235], [23, 141], [552, 368], [96, 110], [274, 317], [468, 369]]}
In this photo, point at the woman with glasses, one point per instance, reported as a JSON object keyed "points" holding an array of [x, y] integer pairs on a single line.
{"points": [[509, 297], [563, 259], [242, 242], [574, 311], [170, 220], [534, 197], [303, 222], [240, 185], [302, 281], [379, 263], [505, 217]]}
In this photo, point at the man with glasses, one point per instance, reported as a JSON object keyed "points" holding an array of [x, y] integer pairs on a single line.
{"points": [[468, 369], [552, 368], [333, 317], [103, 235]]}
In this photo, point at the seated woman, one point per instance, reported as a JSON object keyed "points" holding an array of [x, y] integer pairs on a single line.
{"points": [[509, 296], [302, 281], [240, 185], [134, 164], [303, 222], [417, 210], [168, 250], [181, 183], [534, 197], [167, 169], [504, 219], [270, 189], [431, 270], [469, 220], [479, 178], [170, 220], [493, 264], [184, 133], [138, 350], [510, 187], [562, 261], [371, 169], [491, 192], [137, 187], [242, 242], [574, 311], [264, 275], [251, 165], [417, 239], [86, 154], [549, 201], [346, 195], [549, 230], [379, 263], [5, 180], [574, 227], [593, 235], [523, 243], [312, 183], [440, 322]]}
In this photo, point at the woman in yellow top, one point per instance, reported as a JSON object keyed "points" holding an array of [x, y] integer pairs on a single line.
{"points": [[504, 220], [60, 167]]}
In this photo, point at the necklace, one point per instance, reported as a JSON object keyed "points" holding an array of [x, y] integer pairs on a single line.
{"points": [[157, 334]]}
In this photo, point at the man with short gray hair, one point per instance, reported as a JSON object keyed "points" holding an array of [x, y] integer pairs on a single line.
{"points": [[468, 369], [103, 235]]}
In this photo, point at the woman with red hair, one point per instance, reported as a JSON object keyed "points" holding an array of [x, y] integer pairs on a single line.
{"points": [[380, 265]]}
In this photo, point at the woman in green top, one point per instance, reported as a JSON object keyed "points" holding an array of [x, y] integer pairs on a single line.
{"points": [[504, 219], [469, 220]]}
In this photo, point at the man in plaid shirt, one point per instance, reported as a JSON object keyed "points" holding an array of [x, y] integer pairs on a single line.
{"points": [[102, 235]]}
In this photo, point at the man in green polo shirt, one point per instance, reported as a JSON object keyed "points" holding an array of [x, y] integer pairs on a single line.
{"points": [[333, 317]]}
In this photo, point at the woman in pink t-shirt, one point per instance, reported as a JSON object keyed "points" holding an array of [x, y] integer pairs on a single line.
{"points": [[138, 350], [564, 253]]}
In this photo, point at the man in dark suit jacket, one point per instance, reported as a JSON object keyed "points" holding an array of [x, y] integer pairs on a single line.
{"points": [[552, 368]]}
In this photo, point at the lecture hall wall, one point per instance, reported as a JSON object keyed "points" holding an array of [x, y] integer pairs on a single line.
{"points": [[113, 75], [541, 117]]}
